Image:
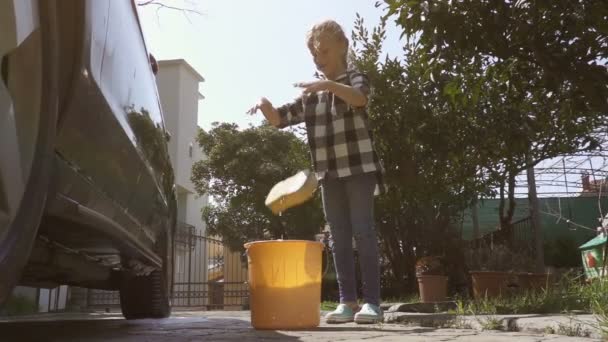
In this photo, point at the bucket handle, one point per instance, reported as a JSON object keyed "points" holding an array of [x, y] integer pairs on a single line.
{"points": [[327, 256]]}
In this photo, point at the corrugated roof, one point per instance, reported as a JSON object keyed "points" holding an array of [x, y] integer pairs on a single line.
{"points": [[596, 241]]}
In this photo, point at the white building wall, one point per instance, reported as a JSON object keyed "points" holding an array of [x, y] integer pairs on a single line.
{"points": [[167, 81], [187, 126], [173, 82], [195, 202], [178, 86]]}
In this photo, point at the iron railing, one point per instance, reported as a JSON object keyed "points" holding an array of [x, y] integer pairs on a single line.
{"points": [[207, 275]]}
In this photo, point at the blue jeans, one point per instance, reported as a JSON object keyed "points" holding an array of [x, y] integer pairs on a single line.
{"points": [[349, 210]]}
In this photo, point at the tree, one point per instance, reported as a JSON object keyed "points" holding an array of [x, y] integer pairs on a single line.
{"points": [[471, 104], [430, 158], [532, 74], [240, 169], [185, 6], [164, 4]]}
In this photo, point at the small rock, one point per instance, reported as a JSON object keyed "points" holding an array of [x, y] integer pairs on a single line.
{"points": [[423, 307], [387, 306], [393, 317]]}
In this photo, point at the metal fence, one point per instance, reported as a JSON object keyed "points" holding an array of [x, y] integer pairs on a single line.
{"points": [[41, 299], [207, 275], [519, 237], [522, 237]]}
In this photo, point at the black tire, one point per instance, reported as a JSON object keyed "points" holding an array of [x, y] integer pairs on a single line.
{"points": [[144, 296], [16, 246], [149, 296]]}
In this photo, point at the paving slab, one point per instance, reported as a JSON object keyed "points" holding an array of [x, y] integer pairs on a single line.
{"points": [[582, 325]]}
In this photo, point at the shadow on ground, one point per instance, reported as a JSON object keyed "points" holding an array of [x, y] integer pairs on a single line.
{"points": [[119, 329], [188, 327]]}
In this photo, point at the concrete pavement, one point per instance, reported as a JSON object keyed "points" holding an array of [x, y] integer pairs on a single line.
{"points": [[232, 326]]}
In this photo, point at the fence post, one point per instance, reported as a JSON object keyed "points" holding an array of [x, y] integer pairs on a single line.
{"points": [[189, 264]]}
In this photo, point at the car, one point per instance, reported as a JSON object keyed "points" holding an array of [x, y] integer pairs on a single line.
{"points": [[87, 194]]}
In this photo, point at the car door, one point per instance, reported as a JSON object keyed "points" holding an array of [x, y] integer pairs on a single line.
{"points": [[112, 130], [128, 82]]}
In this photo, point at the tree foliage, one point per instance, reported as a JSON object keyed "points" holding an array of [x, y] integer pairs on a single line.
{"points": [[531, 74], [482, 91], [240, 169], [430, 159]]}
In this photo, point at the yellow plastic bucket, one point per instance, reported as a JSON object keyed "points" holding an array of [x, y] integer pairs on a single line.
{"points": [[285, 283]]}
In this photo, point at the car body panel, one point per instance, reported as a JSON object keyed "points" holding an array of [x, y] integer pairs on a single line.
{"points": [[113, 193], [12, 31], [112, 199]]}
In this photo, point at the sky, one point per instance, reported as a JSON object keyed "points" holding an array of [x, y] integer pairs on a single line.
{"points": [[250, 48], [246, 49]]}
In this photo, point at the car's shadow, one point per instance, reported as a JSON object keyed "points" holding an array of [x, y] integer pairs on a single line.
{"points": [[113, 327], [190, 327]]}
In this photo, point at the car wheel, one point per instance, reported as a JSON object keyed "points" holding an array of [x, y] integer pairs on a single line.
{"points": [[28, 118], [149, 296]]}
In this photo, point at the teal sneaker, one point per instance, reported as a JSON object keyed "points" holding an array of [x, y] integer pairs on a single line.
{"points": [[369, 314], [342, 314]]}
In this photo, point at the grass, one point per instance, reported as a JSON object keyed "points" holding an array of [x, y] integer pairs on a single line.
{"points": [[328, 306], [491, 323], [599, 305], [601, 313], [549, 330], [459, 323], [571, 294], [572, 330], [600, 309], [411, 298], [568, 295]]}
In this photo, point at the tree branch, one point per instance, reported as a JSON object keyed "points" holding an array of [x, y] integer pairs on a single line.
{"points": [[161, 5], [501, 205]]}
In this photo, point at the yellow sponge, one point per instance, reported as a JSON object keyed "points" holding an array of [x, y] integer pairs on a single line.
{"points": [[292, 191]]}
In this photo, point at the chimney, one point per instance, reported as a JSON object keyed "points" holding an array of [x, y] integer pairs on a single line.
{"points": [[586, 183]]}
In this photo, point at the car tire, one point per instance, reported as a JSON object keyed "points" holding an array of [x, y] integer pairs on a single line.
{"points": [[23, 219], [149, 296]]}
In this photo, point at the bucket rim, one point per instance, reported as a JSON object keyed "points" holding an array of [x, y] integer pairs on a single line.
{"points": [[313, 242]]}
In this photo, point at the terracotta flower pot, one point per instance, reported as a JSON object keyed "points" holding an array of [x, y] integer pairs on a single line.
{"points": [[489, 283], [433, 288], [534, 281]]}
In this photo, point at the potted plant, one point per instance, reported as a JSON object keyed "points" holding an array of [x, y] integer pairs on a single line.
{"points": [[492, 274], [432, 281], [528, 278]]}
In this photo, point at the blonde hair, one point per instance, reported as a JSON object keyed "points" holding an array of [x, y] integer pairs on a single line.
{"points": [[327, 29]]}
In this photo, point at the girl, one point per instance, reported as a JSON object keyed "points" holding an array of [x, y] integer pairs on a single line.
{"points": [[345, 163]]}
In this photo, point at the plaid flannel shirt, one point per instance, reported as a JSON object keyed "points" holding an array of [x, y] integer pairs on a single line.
{"points": [[339, 136]]}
